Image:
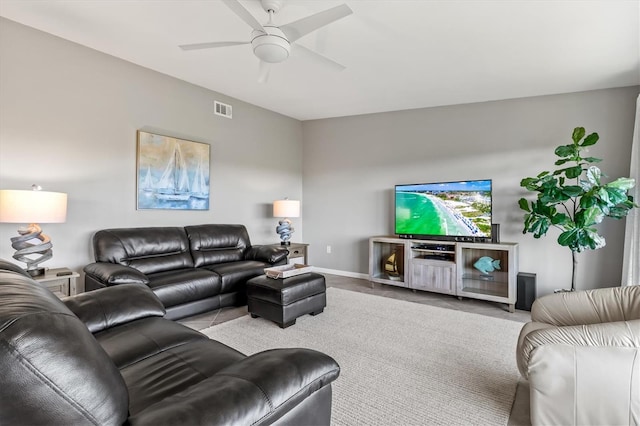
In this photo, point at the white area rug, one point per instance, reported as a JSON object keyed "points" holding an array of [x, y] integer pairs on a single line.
{"points": [[401, 363]]}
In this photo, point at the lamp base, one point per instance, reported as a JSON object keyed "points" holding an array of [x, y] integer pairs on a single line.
{"points": [[284, 229], [36, 272], [27, 244], [285, 243]]}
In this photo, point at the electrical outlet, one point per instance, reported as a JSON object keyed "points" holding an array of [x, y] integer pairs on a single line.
{"points": [[328, 249]]}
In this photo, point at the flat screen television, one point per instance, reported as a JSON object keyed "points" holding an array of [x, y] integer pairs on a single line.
{"points": [[450, 211]]}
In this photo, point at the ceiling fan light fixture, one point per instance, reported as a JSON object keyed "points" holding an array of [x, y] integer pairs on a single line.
{"points": [[272, 47], [271, 43]]}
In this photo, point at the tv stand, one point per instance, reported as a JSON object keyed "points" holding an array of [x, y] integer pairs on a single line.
{"points": [[445, 267]]}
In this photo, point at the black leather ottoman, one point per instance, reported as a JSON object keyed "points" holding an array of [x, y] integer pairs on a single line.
{"points": [[284, 300]]}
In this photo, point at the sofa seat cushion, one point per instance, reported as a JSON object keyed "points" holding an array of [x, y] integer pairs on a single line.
{"points": [[237, 273], [159, 358], [184, 285], [129, 343]]}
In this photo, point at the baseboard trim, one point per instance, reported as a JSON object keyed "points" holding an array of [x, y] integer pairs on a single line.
{"points": [[341, 273]]}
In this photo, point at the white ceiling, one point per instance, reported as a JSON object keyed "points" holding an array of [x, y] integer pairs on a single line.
{"points": [[399, 54]]}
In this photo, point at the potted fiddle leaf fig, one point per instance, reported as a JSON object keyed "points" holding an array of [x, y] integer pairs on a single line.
{"points": [[575, 199]]}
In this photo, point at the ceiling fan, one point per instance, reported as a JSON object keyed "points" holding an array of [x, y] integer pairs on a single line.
{"points": [[272, 43]]}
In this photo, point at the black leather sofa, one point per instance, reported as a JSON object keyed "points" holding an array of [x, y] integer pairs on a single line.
{"points": [[192, 269], [108, 357]]}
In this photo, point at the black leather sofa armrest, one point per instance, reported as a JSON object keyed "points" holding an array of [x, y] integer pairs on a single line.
{"points": [[113, 274], [112, 306], [267, 254], [255, 391]]}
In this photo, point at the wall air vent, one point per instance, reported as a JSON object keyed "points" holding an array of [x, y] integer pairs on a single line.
{"points": [[223, 109]]}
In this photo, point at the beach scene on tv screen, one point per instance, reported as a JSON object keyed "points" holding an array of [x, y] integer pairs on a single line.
{"points": [[448, 208]]}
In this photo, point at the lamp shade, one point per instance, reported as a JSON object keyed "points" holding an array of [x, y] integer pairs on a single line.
{"points": [[18, 206], [286, 208]]}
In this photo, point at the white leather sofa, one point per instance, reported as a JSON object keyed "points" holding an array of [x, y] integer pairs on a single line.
{"points": [[581, 356]]}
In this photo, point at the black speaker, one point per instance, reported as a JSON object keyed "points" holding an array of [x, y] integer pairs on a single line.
{"points": [[495, 233], [526, 291]]}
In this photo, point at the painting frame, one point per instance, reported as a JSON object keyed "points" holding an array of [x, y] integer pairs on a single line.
{"points": [[171, 173]]}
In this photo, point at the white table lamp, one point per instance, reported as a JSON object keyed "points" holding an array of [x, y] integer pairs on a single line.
{"points": [[285, 209], [32, 207]]}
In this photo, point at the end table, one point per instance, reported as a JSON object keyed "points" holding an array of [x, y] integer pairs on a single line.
{"points": [[296, 250], [65, 284]]}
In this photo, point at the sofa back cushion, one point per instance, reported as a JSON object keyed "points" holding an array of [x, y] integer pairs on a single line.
{"points": [[213, 244], [609, 304], [148, 250], [53, 369]]}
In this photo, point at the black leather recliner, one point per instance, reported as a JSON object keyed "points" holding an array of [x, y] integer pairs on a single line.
{"points": [[108, 357], [192, 269]]}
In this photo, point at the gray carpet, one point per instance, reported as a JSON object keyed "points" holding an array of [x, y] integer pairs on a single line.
{"points": [[401, 363]]}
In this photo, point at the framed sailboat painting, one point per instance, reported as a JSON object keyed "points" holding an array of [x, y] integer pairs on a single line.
{"points": [[172, 173]]}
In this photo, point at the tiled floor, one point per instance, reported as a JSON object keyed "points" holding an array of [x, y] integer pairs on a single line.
{"points": [[520, 410], [202, 321]]}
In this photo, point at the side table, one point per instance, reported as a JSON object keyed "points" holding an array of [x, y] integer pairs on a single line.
{"points": [[296, 250], [65, 284]]}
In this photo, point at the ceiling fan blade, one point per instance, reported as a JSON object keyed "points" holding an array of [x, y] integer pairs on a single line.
{"points": [[244, 14], [211, 45], [296, 29], [299, 49], [265, 69]]}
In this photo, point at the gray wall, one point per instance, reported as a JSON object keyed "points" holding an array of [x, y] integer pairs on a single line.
{"points": [[68, 121], [351, 164]]}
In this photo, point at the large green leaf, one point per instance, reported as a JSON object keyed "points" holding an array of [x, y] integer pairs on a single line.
{"points": [[592, 159], [560, 219], [603, 197], [618, 212], [588, 200], [593, 175], [586, 185], [568, 238], [566, 150], [573, 172], [572, 191], [589, 217], [524, 204], [593, 240], [616, 196], [528, 220], [578, 133], [529, 183], [539, 226], [590, 140], [622, 183]]}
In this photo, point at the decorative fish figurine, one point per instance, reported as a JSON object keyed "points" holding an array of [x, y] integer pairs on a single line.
{"points": [[486, 264]]}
